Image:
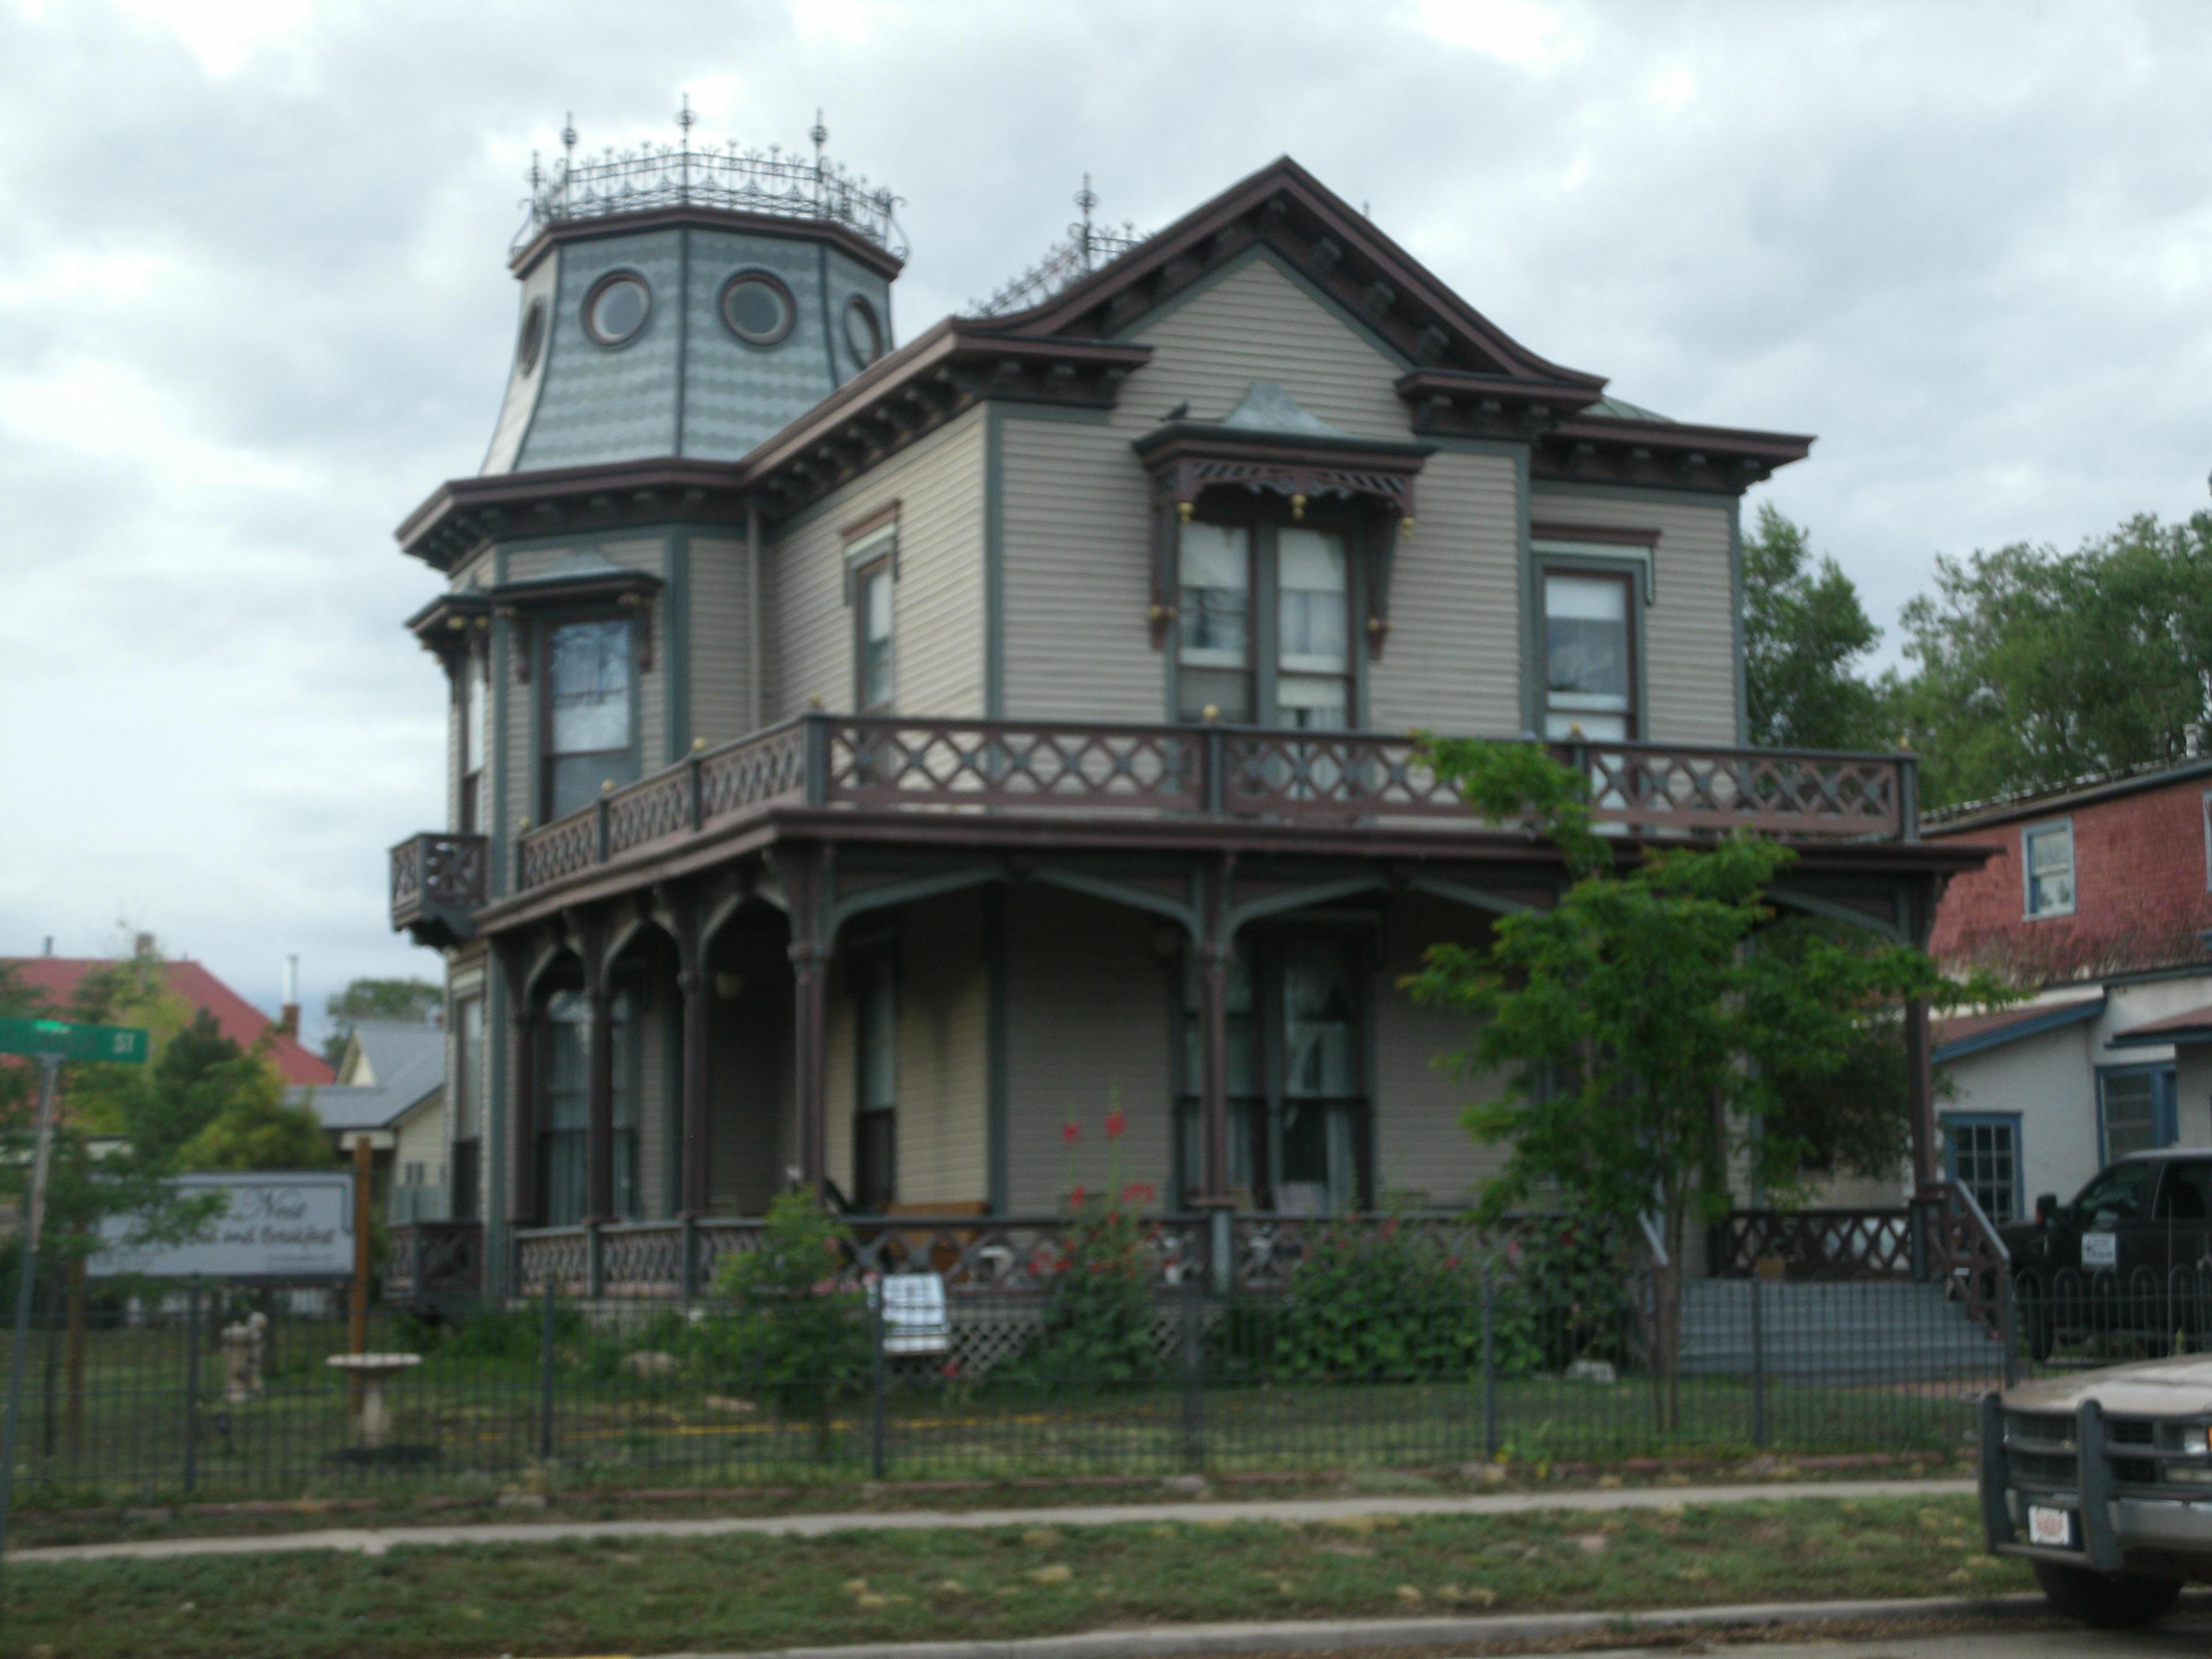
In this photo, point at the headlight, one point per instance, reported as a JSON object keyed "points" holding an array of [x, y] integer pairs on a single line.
{"points": [[2195, 1442]]}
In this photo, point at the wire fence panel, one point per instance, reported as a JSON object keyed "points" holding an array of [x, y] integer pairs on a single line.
{"points": [[228, 1393]]}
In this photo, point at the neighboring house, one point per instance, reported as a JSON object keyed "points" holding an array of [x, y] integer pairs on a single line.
{"points": [[390, 1087], [56, 979], [866, 760], [2100, 895]]}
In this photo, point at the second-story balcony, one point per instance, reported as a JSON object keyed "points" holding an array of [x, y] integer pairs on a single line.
{"points": [[1128, 779], [439, 880]]}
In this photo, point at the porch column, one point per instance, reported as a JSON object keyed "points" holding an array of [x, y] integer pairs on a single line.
{"points": [[804, 880], [1216, 948], [1919, 1052], [522, 1025], [698, 1009], [599, 1074]]}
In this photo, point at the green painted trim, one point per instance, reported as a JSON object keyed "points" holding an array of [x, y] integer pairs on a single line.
{"points": [[1314, 291], [1736, 622], [1067, 414], [1136, 898], [889, 894], [645, 530], [1275, 904], [494, 1126], [1637, 492], [676, 657], [995, 1149], [994, 563], [1532, 603], [502, 813], [1637, 571], [1475, 898], [1813, 905], [776, 531]]}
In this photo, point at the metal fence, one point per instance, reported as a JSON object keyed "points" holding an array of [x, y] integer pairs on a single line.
{"points": [[228, 1393]]}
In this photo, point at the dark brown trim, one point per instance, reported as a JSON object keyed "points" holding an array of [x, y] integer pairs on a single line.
{"points": [[600, 284], [1663, 454], [847, 242], [1544, 530], [766, 278]]}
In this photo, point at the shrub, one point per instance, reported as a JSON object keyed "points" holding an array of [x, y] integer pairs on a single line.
{"points": [[1387, 1304], [797, 1333], [1565, 1295]]}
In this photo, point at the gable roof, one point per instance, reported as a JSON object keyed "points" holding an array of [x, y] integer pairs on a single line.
{"points": [[2192, 1027], [391, 1066], [56, 979], [1970, 1034]]}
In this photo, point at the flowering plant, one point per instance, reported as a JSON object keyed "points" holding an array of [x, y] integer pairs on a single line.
{"points": [[1098, 1323]]}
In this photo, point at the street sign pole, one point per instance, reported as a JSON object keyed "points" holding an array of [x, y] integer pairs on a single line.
{"points": [[50, 1066]]}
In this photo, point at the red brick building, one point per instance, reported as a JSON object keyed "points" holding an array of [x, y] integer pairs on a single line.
{"points": [[2099, 898]]}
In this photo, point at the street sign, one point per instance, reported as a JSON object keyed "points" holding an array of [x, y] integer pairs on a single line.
{"points": [[111, 1045]]}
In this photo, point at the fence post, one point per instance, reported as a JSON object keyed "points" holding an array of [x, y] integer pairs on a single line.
{"points": [[1193, 1377], [1757, 1362], [192, 1385], [545, 1377], [877, 1453], [1489, 1368], [2006, 1333]]}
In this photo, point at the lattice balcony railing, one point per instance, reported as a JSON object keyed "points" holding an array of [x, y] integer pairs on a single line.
{"points": [[896, 764]]}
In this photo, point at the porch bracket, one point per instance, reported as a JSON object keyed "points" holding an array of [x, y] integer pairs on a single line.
{"points": [[1184, 914], [1811, 904], [1236, 916], [1475, 898], [838, 911]]}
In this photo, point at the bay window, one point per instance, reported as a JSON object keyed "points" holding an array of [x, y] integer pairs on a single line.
{"points": [[473, 689]]}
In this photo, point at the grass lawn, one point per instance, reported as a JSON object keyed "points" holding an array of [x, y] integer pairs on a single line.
{"points": [[642, 1596]]}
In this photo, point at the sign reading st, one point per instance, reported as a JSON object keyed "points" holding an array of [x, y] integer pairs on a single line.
{"points": [[115, 1045], [273, 1226]]}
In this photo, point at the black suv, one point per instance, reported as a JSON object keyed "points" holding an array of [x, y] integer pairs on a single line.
{"points": [[2132, 1253]]}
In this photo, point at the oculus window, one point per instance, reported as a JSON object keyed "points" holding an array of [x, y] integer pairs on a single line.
{"points": [[1589, 661], [2047, 862], [864, 335], [757, 308], [617, 308], [1263, 626], [530, 340], [590, 699]]}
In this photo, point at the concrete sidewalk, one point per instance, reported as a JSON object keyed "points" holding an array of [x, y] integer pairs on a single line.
{"points": [[375, 1540]]}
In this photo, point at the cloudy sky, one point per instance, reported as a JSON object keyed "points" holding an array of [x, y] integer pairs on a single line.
{"points": [[253, 308]]}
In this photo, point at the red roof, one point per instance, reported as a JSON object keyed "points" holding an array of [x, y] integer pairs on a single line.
{"points": [[2196, 1023], [56, 978]]}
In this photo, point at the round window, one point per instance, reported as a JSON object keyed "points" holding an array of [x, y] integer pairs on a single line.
{"points": [[531, 339], [757, 307], [617, 308], [863, 336]]}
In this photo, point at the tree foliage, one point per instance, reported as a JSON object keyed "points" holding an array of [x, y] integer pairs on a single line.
{"points": [[2036, 667], [416, 1000], [1805, 637], [1643, 1040]]}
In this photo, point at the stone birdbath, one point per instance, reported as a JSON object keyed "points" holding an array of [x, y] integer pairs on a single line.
{"points": [[370, 1372]]}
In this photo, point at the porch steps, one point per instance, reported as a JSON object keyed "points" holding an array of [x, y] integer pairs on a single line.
{"points": [[1882, 1329]]}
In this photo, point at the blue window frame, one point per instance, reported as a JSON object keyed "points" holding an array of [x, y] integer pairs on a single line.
{"points": [[1982, 1153], [2135, 1109]]}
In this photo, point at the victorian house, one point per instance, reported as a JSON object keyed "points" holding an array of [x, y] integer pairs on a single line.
{"points": [[869, 757]]}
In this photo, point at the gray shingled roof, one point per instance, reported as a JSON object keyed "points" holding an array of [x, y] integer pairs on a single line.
{"points": [[407, 1062]]}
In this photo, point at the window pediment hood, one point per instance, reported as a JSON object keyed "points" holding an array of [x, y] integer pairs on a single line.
{"points": [[582, 573], [1270, 441]]}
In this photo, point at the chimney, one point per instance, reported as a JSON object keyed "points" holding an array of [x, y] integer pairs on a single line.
{"points": [[287, 1018], [143, 946], [50, 944]]}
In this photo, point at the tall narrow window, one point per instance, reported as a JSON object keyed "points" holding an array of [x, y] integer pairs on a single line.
{"points": [[588, 713], [475, 744], [1214, 656], [1313, 686], [872, 643], [565, 1139], [468, 1082], [2048, 856], [875, 1116], [1323, 1113], [1984, 1153], [1589, 656]]}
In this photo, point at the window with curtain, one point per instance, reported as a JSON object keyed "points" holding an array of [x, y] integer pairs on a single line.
{"points": [[1313, 661], [1246, 1103], [564, 1138], [475, 738], [1323, 1089], [874, 642], [2048, 860], [1590, 668], [1214, 648], [590, 693], [875, 1114], [1264, 624], [468, 1094]]}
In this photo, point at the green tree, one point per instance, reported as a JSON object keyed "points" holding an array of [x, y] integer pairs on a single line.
{"points": [[251, 1126], [414, 999], [798, 1332], [1805, 634], [2036, 667], [1641, 1040]]}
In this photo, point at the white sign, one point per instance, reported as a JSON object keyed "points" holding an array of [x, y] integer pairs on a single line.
{"points": [[2100, 1250], [274, 1225], [914, 1320]]}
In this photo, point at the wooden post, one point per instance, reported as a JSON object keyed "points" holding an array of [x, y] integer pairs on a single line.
{"points": [[73, 1420], [698, 989], [804, 879], [598, 1074], [364, 1155], [521, 1198]]}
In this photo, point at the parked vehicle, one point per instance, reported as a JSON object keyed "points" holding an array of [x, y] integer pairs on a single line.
{"points": [[2100, 1480], [2131, 1253]]}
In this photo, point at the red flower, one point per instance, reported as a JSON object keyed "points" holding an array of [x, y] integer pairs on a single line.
{"points": [[1071, 1132], [1116, 1122], [1138, 1192]]}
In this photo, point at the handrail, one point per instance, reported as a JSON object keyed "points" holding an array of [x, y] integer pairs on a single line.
{"points": [[1210, 770]]}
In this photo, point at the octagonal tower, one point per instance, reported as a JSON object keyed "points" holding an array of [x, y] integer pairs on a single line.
{"points": [[689, 302]]}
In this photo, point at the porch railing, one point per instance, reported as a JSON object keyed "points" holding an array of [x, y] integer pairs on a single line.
{"points": [[436, 877], [430, 1262], [885, 763], [977, 1255]]}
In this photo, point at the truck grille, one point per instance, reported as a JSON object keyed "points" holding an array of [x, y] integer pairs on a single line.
{"points": [[2039, 1446]]}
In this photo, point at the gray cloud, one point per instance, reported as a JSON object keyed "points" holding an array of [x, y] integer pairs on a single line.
{"points": [[253, 306]]}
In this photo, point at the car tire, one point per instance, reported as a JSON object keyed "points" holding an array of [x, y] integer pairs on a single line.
{"points": [[2109, 1601]]}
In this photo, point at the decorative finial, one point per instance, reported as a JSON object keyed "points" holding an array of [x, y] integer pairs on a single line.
{"points": [[819, 134], [569, 133], [684, 118], [1086, 198]]}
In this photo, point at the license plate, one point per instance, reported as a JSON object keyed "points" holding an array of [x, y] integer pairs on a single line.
{"points": [[2100, 1250], [2052, 1529]]}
